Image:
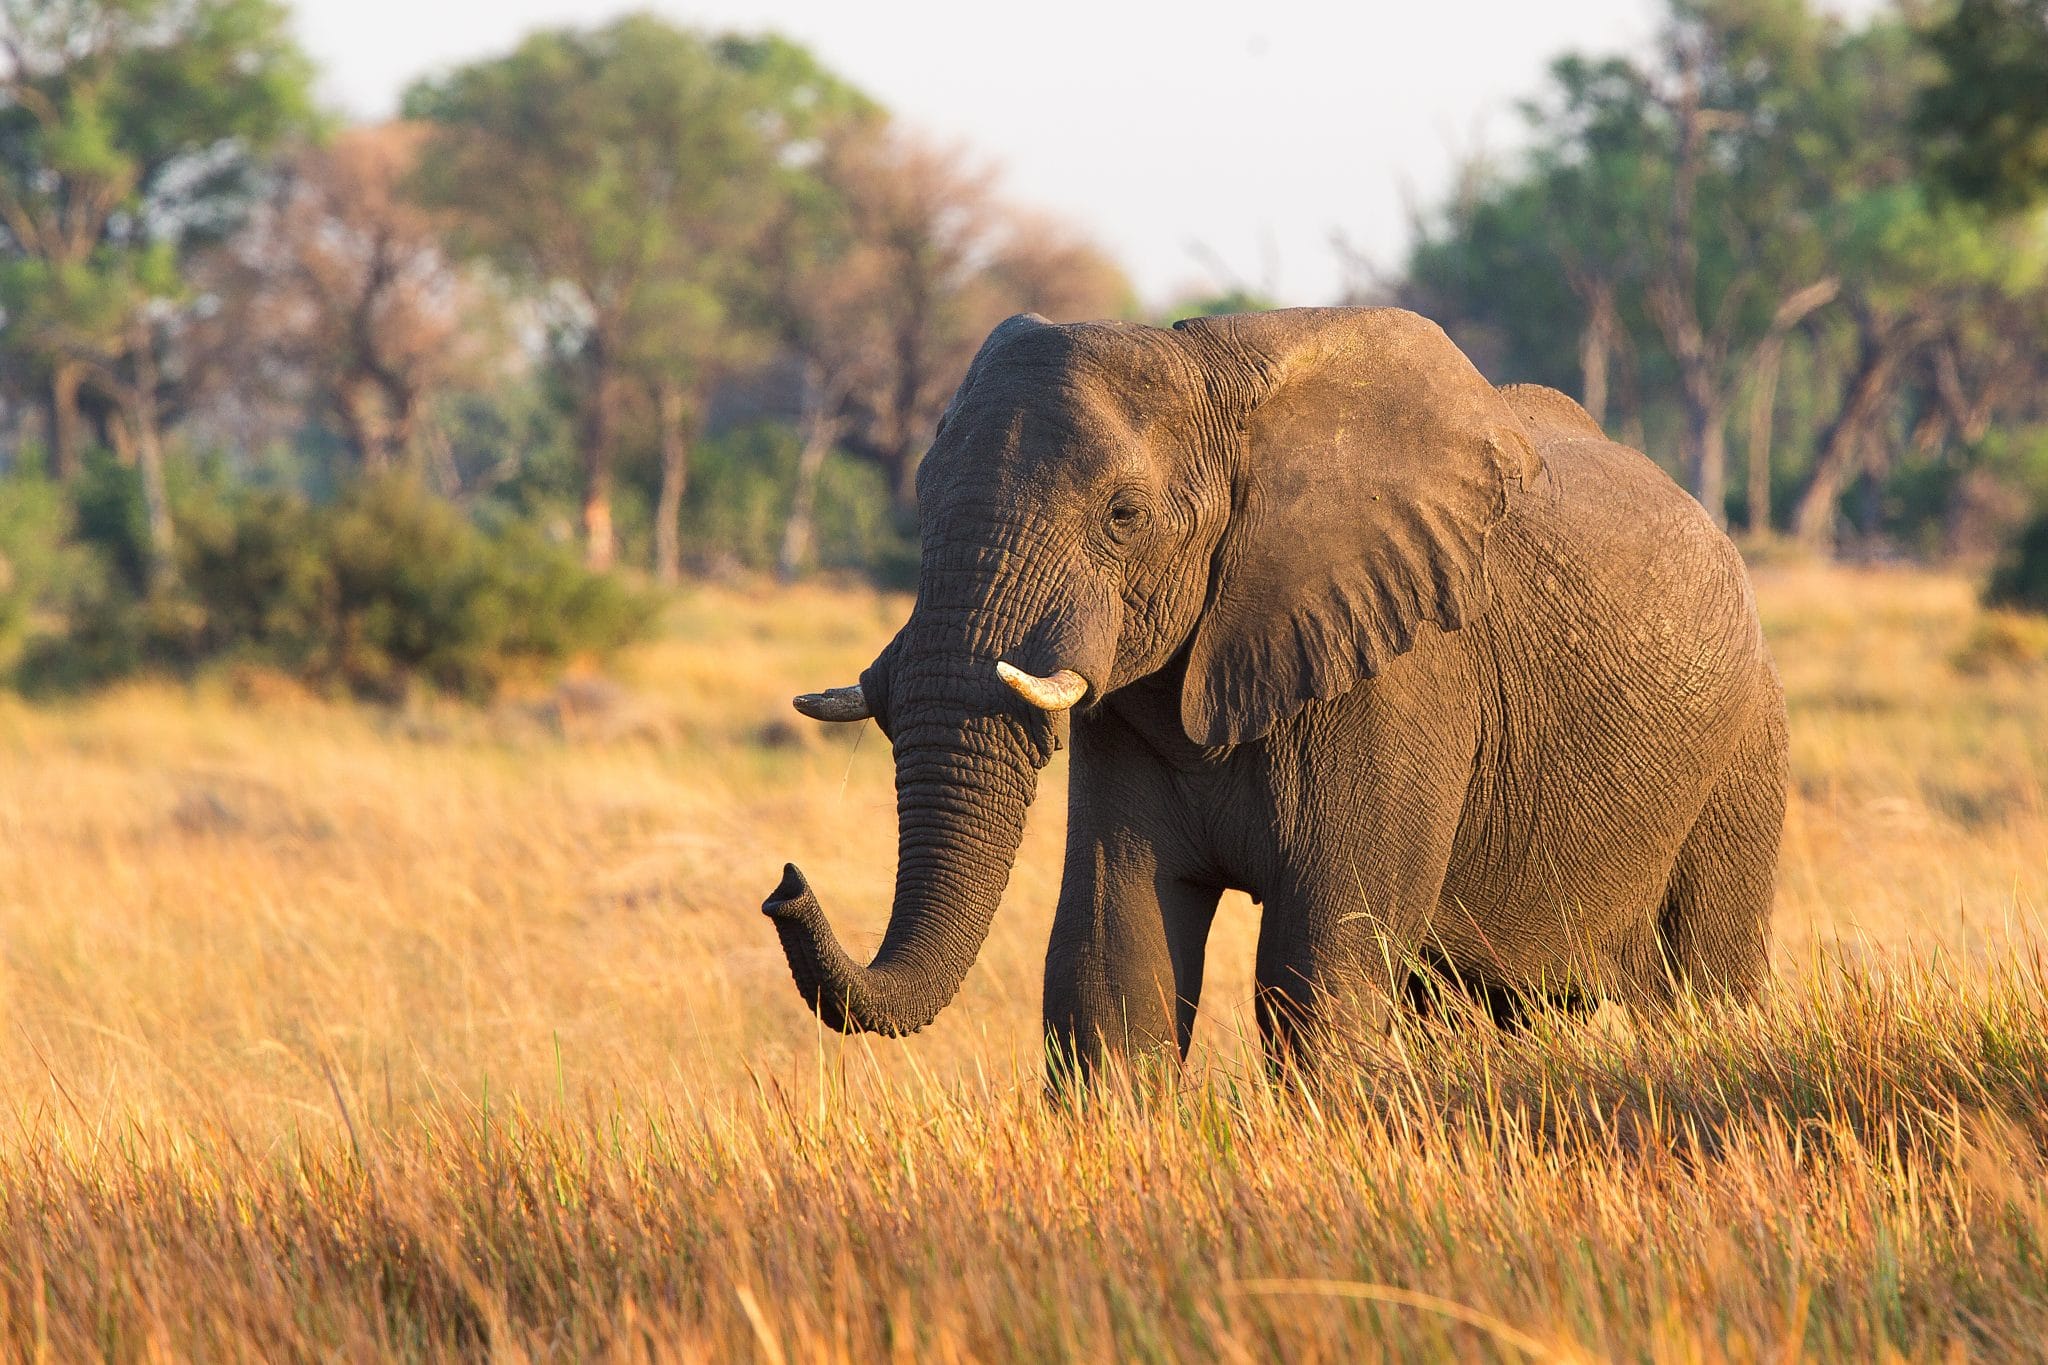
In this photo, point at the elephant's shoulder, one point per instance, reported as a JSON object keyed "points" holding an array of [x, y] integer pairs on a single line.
{"points": [[1547, 411]]}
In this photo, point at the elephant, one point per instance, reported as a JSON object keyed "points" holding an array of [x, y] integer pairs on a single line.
{"points": [[1464, 694]]}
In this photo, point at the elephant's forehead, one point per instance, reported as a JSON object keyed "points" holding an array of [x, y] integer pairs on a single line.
{"points": [[1117, 364], [1075, 406], [1053, 438]]}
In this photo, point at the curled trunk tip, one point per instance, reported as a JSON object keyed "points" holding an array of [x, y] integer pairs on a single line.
{"points": [[838, 989]]}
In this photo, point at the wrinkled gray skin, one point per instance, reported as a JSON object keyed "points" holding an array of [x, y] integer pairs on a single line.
{"points": [[1436, 672]]}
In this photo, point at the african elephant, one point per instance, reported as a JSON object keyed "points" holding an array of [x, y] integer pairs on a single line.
{"points": [[1434, 671]]}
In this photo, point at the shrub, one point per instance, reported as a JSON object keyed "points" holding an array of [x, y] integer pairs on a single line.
{"points": [[2020, 581], [414, 590], [2003, 642], [41, 568], [385, 588], [741, 484]]}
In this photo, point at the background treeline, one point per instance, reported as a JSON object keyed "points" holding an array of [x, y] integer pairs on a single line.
{"points": [[393, 403], [1794, 254], [625, 296]]}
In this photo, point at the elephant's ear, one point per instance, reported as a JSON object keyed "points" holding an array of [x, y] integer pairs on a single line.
{"points": [[1375, 463]]}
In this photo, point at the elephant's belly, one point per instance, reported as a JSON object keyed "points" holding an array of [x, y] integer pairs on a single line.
{"points": [[1560, 886], [1575, 927]]}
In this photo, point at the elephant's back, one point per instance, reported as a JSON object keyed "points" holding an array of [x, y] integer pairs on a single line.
{"points": [[1607, 543]]}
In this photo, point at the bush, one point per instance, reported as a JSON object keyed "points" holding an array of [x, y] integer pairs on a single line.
{"points": [[386, 588], [2020, 581], [2003, 642], [741, 483], [41, 568]]}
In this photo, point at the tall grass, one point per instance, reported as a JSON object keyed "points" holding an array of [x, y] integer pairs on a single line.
{"points": [[338, 1031]]}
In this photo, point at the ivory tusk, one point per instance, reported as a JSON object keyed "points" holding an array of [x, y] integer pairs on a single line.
{"points": [[1057, 693], [834, 703]]}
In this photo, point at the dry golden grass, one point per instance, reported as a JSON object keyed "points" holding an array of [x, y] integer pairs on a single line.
{"points": [[332, 1031]]}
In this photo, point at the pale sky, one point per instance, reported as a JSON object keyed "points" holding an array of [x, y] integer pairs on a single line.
{"points": [[1204, 145]]}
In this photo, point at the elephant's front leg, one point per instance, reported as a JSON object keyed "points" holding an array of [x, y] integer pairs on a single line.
{"points": [[1123, 972]]}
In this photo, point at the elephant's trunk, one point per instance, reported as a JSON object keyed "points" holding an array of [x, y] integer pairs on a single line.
{"points": [[961, 794]]}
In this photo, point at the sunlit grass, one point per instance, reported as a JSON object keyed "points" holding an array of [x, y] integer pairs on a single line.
{"points": [[336, 1030]]}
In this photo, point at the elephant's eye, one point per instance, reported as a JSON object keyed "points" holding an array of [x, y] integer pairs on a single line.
{"points": [[1127, 516]]}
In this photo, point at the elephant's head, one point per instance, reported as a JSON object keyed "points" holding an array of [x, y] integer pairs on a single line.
{"points": [[1269, 504]]}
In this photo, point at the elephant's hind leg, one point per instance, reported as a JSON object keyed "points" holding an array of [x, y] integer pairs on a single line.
{"points": [[1714, 926]]}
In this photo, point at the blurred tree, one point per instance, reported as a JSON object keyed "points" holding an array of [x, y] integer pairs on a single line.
{"points": [[734, 307], [1922, 362], [1986, 120], [619, 174], [1738, 219], [1665, 205], [1233, 300], [888, 283], [128, 135], [341, 294], [934, 260], [1734, 252]]}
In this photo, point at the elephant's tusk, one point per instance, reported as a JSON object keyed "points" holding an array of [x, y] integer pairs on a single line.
{"points": [[834, 703], [1057, 693]]}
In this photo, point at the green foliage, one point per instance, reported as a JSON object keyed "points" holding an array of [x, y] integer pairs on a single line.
{"points": [[130, 131], [382, 590], [2020, 582], [1803, 262], [41, 566], [625, 162], [739, 500], [1236, 300], [108, 518], [1986, 120]]}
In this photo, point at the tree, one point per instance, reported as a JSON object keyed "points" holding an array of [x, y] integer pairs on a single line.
{"points": [[1741, 217], [1664, 204], [615, 172], [1985, 122], [1926, 288], [340, 290], [129, 132], [927, 260], [886, 276], [728, 307]]}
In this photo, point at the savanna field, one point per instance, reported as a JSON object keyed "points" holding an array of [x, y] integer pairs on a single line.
{"points": [[336, 1031]]}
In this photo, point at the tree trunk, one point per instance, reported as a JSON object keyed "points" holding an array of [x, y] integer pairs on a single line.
{"points": [[1869, 500], [903, 462], [1674, 302], [1710, 481], [672, 415], [1596, 346], [402, 434], [1763, 401], [1813, 520], [600, 437], [822, 427], [1706, 439], [67, 423], [149, 460], [361, 413]]}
